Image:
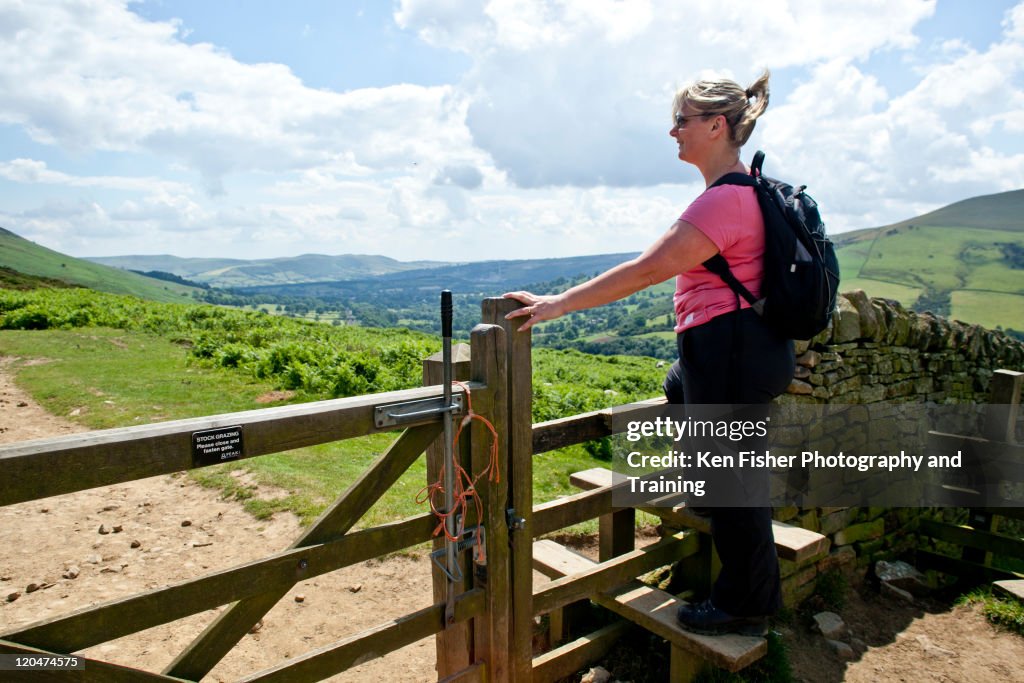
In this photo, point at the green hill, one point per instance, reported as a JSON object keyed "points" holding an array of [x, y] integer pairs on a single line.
{"points": [[306, 268], [24, 256], [965, 260]]}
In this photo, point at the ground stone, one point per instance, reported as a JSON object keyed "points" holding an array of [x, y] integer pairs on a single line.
{"points": [[841, 649], [596, 675], [830, 624]]}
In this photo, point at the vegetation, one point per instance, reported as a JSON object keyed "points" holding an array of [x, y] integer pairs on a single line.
{"points": [[970, 274], [1006, 613], [118, 361], [32, 259]]}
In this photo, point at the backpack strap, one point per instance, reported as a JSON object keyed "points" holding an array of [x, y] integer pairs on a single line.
{"points": [[720, 267], [717, 263]]}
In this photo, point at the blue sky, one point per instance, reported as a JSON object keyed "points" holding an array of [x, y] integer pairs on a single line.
{"points": [[461, 130]]}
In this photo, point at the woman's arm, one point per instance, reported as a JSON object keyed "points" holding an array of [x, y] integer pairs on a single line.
{"points": [[680, 249]]}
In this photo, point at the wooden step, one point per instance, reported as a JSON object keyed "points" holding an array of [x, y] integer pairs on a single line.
{"points": [[653, 609], [1011, 588], [791, 542]]}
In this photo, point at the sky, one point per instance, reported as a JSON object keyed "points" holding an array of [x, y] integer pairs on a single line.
{"points": [[462, 130]]}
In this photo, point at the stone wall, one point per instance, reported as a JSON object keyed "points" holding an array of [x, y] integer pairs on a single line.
{"points": [[875, 351]]}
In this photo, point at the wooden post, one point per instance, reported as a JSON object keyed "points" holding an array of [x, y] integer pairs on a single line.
{"points": [[1003, 406], [454, 644], [492, 634], [519, 432], [616, 536], [1000, 425]]}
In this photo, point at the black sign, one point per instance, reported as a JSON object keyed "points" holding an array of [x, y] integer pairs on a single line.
{"points": [[212, 446]]}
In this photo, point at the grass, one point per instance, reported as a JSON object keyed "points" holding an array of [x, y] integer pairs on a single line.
{"points": [[31, 258], [1005, 613], [901, 262], [103, 378], [989, 309]]}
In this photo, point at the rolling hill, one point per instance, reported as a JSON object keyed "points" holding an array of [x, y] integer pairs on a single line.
{"points": [[965, 260], [24, 256], [224, 272]]}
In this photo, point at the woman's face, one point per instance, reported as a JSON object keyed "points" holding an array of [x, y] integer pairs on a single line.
{"points": [[687, 131]]}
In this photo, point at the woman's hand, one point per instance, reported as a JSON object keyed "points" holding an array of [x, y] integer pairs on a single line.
{"points": [[537, 307]]}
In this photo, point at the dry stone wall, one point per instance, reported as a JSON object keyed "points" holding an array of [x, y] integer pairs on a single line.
{"points": [[877, 351]]}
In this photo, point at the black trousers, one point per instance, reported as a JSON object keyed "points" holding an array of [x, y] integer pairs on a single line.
{"points": [[736, 359]]}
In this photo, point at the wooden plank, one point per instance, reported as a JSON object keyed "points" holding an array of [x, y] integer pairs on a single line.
{"points": [[1011, 588], [370, 644], [797, 544], [95, 671], [568, 431], [606, 575], [568, 510], [973, 538], [965, 570], [1003, 406], [228, 628], [454, 645], [791, 542], [651, 608], [566, 660], [520, 498], [493, 632], [602, 477], [47, 467], [97, 624], [995, 460]]}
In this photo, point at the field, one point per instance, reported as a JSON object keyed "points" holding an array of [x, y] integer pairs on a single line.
{"points": [[107, 361], [974, 275]]}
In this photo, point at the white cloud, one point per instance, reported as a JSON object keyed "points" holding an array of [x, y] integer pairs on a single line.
{"points": [[34, 171], [578, 93], [554, 142], [91, 75], [874, 157]]}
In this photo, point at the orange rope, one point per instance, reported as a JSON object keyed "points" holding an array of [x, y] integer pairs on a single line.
{"points": [[465, 485]]}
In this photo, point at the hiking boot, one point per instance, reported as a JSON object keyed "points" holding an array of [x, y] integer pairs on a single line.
{"points": [[706, 619]]}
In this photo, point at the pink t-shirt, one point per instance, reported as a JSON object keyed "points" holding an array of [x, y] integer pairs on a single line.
{"points": [[731, 218]]}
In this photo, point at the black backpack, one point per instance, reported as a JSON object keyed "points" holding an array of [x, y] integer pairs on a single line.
{"points": [[801, 273]]}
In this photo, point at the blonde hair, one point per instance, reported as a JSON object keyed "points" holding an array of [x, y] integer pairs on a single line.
{"points": [[726, 97]]}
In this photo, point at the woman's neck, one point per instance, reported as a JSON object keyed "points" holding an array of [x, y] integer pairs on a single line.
{"points": [[718, 166]]}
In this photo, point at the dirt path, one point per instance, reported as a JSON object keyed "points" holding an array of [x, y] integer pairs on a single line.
{"points": [[171, 530]]}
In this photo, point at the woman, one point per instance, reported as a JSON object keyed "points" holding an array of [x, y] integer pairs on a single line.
{"points": [[727, 355]]}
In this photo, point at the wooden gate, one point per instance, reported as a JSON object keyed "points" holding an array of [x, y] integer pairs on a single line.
{"points": [[495, 628]]}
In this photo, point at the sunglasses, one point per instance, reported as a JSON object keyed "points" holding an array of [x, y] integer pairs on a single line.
{"points": [[681, 120]]}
